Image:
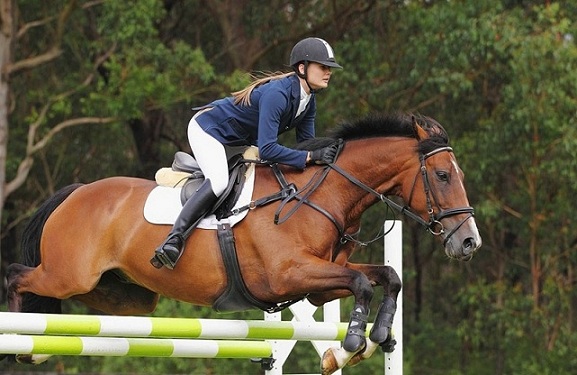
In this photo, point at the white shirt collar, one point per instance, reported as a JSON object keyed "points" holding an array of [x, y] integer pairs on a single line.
{"points": [[305, 98]]}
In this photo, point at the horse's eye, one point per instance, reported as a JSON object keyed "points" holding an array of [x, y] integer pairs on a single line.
{"points": [[442, 176]]}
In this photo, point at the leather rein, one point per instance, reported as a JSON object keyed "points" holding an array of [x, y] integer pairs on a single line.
{"points": [[434, 225], [290, 192]]}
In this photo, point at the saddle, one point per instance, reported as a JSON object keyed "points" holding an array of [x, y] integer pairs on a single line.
{"points": [[186, 173]]}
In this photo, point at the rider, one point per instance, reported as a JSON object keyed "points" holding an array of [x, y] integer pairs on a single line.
{"points": [[255, 116]]}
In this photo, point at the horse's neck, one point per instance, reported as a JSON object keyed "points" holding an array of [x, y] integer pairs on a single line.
{"points": [[382, 164]]}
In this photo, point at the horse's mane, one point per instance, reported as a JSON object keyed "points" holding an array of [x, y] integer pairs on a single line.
{"points": [[383, 125]]}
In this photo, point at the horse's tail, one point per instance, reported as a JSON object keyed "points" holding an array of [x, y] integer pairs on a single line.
{"points": [[31, 250]]}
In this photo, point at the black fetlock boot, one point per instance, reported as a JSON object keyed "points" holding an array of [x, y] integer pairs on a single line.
{"points": [[192, 212]]}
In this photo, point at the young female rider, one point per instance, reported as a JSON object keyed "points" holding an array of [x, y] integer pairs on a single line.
{"points": [[256, 116]]}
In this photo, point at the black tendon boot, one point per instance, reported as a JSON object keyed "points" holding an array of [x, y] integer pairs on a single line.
{"points": [[193, 211]]}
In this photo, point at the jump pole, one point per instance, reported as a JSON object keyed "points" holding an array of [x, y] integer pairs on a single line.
{"points": [[153, 327], [393, 255], [132, 347]]}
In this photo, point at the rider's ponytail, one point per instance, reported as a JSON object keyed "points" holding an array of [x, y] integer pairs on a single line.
{"points": [[242, 97]]}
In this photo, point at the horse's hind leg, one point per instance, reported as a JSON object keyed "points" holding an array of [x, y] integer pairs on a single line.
{"points": [[27, 302], [21, 298], [40, 289]]}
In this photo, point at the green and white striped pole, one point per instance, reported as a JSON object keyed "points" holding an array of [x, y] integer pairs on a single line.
{"points": [[135, 347], [124, 326]]}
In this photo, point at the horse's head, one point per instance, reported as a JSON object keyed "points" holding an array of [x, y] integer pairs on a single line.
{"points": [[426, 176], [438, 193]]}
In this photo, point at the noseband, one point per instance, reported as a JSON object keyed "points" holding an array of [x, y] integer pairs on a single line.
{"points": [[434, 225]]}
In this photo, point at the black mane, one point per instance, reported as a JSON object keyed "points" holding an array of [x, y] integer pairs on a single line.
{"points": [[382, 125]]}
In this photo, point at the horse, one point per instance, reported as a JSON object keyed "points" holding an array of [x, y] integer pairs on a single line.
{"points": [[90, 242]]}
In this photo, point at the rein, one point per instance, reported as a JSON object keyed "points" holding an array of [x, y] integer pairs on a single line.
{"points": [[289, 192], [434, 225]]}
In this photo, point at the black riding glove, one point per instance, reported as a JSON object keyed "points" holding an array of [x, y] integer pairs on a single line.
{"points": [[325, 155]]}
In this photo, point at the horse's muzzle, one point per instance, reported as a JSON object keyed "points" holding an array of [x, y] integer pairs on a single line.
{"points": [[469, 248], [463, 246]]}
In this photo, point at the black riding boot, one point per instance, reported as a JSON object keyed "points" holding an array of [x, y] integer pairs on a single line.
{"points": [[193, 211]]}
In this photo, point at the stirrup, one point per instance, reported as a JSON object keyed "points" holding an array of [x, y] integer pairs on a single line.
{"points": [[155, 261], [162, 258]]}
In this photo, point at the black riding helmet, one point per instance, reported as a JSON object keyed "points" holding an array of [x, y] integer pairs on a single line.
{"points": [[312, 49]]}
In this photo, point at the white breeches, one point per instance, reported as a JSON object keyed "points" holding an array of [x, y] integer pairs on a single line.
{"points": [[210, 155]]}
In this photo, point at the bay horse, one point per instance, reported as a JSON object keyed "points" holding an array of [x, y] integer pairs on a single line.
{"points": [[91, 243]]}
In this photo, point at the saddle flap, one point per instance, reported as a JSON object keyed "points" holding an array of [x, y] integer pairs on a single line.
{"points": [[185, 162]]}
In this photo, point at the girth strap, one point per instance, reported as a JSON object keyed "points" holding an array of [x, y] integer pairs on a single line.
{"points": [[237, 297]]}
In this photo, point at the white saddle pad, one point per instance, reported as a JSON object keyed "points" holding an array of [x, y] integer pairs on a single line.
{"points": [[163, 204]]}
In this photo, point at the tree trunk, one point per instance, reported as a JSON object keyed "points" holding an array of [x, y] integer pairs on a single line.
{"points": [[6, 33]]}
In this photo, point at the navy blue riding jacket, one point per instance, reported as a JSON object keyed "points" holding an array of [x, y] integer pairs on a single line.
{"points": [[271, 112]]}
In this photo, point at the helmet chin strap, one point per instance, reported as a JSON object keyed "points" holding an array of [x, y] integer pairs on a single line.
{"points": [[313, 91], [304, 76]]}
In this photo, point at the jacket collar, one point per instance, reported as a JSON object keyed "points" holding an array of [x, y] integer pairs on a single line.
{"points": [[296, 94]]}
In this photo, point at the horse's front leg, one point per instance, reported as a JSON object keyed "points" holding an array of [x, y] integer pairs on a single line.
{"points": [[380, 335], [355, 338], [314, 274]]}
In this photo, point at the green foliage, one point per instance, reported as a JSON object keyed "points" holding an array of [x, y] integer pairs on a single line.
{"points": [[131, 21], [497, 322], [145, 73], [499, 75]]}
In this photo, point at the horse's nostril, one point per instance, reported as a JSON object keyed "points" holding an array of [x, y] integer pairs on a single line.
{"points": [[469, 246]]}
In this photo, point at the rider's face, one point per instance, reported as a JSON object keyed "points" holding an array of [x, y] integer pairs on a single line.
{"points": [[318, 75]]}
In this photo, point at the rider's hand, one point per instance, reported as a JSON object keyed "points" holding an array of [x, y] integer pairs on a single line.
{"points": [[325, 155]]}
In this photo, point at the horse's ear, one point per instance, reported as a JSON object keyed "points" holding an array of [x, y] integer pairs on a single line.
{"points": [[420, 133]]}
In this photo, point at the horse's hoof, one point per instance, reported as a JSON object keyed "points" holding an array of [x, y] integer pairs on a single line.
{"points": [[329, 362], [32, 359], [24, 359], [388, 346], [357, 358]]}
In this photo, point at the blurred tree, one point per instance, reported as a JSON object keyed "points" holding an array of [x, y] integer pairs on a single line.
{"points": [[499, 75], [527, 165], [15, 63]]}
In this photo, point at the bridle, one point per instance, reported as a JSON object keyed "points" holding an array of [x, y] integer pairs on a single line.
{"points": [[434, 225], [290, 192]]}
